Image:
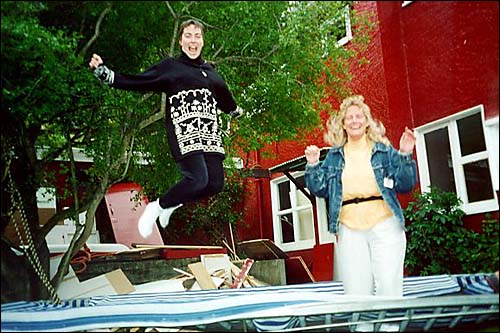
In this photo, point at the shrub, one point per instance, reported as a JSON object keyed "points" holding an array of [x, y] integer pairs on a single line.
{"points": [[438, 241]]}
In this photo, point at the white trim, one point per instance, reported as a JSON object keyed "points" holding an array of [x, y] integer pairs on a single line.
{"points": [[492, 139], [348, 30], [325, 237], [440, 123], [294, 210], [406, 3], [458, 161]]}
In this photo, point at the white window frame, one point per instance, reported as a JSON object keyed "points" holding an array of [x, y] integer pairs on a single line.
{"points": [[491, 126], [458, 161], [278, 236], [348, 31], [324, 236]]}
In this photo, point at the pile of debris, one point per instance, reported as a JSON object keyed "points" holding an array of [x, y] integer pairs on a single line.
{"points": [[216, 271]]}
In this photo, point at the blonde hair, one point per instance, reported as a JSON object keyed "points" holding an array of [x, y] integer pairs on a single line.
{"points": [[337, 136]]}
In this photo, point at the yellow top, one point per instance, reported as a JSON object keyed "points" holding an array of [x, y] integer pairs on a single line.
{"points": [[358, 181]]}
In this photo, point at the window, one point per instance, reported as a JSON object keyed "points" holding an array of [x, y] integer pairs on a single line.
{"points": [[293, 222], [339, 28], [292, 214], [456, 154], [334, 18], [346, 35]]}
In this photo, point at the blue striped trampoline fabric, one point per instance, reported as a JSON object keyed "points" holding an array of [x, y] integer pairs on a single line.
{"points": [[203, 307], [474, 284]]}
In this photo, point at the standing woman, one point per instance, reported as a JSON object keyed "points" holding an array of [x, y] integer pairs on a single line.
{"points": [[361, 176], [195, 93]]}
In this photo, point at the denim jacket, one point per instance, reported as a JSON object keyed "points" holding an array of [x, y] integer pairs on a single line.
{"points": [[394, 173]]}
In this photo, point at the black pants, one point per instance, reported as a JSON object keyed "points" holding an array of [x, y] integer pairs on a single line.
{"points": [[203, 176]]}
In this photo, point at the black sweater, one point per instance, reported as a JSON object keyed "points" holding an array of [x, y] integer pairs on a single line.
{"points": [[194, 93]]}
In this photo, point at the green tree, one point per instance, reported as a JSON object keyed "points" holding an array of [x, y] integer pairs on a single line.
{"points": [[272, 55]]}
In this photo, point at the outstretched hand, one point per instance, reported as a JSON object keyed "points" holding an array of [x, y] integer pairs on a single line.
{"points": [[95, 61], [407, 141], [312, 154]]}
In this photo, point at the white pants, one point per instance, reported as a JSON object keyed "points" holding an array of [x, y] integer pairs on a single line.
{"points": [[371, 261]]}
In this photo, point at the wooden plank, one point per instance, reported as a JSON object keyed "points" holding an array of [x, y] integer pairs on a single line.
{"points": [[134, 254], [262, 249], [201, 275], [256, 282], [150, 246], [183, 272], [231, 250], [297, 271], [112, 283], [240, 278], [213, 262]]}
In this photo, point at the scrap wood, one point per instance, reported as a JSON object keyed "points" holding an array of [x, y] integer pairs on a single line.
{"points": [[231, 250], [298, 272], [217, 278], [232, 238], [177, 246], [254, 282], [221, 273], [262, 249], [240, 278], [214, 262], [202, 277], [183, 272], [217, 281]]}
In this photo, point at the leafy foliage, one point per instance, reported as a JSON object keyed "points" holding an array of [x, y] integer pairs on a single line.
{"points": [[438, 241]]}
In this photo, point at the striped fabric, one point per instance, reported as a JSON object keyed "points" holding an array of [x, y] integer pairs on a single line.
{"points": [[474, 284], [198, 308]]}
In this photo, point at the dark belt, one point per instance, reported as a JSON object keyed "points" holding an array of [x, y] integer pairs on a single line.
{"points": [[358, 200]]}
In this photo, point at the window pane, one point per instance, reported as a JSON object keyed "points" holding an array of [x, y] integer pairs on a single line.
{"points": [[477, 178], [439, 160], [306, 230], [470, 131], [300, 196], [286, 222], [284, 193]]}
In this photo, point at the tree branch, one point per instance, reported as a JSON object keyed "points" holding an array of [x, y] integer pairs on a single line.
{"points": [[154, 118], [251, 59], [97, 29]]}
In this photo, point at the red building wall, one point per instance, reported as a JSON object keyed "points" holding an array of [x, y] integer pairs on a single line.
{"points": [[450, 49], [426, 61]]}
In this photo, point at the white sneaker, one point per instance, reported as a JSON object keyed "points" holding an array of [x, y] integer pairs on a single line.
{"points": [[148, 218], [165, 215]]}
